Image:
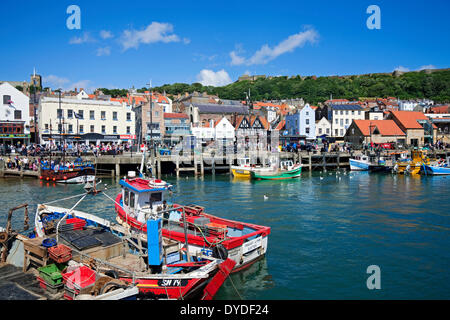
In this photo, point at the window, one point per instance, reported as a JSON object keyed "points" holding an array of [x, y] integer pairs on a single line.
{"points": [[92, 128], [46, 126], [80, 114], [59, 128], [131, 200], [70, 128], [307, 130], [103, 129], [328, 130], [92, 115], [6, 99], [342, 112], [81, 129], [125, 197], [320, 130], [114, 115], [114, 129], [342, 132], [128, 130], [342, 122], [128, 116], [346, 112], [307, 121], [359, 112], [59, 113], [103, 115], [346, 121], [336, 121], [307, 113], [336, 132], [156, 113], [69, 114], [17, 114]]}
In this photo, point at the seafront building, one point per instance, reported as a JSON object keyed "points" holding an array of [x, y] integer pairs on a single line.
{"points": [[85, 120], [14, 115]]}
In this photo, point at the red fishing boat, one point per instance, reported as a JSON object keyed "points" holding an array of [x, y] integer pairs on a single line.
{"points": [[207, 234], [161, 269]]}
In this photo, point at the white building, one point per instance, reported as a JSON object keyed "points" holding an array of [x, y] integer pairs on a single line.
{"points": [[342, 116], [14, 115], [323, 126], [88, 121], [406, 105], [221, 129]]}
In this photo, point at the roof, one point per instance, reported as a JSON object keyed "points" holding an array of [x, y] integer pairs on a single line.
{"points": [[176, 115], [385, 127], [408, 119], [346, 107], [221, 108], [440, 109]]}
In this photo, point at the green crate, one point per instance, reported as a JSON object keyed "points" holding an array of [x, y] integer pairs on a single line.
{"points": [[52, 273]]}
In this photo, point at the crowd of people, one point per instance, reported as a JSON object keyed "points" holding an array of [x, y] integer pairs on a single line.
{"points": [[69, 148]]}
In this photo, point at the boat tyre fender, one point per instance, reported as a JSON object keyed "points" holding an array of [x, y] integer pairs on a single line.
{"points": [[111, 286], [112, 273], [220, 252]]}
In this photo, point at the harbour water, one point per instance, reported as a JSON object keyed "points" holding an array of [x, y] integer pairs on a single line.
{"points": [[325, 231]]}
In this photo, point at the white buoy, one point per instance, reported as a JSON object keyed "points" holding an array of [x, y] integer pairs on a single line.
{"points": [[266, 197]]}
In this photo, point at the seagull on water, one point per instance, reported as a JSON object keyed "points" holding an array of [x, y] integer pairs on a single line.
{"points": [[266, 197]]}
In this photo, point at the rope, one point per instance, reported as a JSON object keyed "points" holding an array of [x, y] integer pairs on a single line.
{"points": [[232, 283], [78, 195]]}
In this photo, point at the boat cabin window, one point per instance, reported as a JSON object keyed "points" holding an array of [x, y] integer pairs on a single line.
{"points": [[131, 200], [155, 197], [125, 197]]}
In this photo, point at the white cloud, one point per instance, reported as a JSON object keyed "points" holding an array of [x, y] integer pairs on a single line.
{"points": [[154, 32], [429, 66], [402, 69], [103, 51], [186, 40], [210, 78], [86, 37], [105, 34], [266, 53], [56, 82]]}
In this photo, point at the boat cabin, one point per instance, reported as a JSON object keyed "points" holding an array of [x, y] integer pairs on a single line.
{"points": [[243, 162], [286, 165], [143, 198]]}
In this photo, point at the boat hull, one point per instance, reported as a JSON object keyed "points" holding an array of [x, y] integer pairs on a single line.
{"points": [[357, 165], [435, 170], [240, 172], [279, 175], [69, 176]]}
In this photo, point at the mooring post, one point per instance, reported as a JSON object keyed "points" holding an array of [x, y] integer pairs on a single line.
{"points": [[178, 165]]}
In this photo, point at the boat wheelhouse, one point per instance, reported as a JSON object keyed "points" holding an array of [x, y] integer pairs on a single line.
{"points": [[142, 199], [359, 163]]}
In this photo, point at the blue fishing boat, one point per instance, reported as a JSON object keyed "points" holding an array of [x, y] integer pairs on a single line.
{"points": [[440, 168]]}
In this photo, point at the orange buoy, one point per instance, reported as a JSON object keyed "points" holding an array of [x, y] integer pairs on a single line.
{"points": [[48, 178]]}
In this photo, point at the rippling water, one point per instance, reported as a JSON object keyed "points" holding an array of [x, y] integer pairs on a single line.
{"points": [[325, 232]]}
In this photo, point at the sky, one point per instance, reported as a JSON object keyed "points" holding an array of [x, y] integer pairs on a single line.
{"points": [[121, 44]]}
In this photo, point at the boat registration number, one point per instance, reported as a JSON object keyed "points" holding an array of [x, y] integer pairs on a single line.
{"points": [[172, 282], [251, 245]]}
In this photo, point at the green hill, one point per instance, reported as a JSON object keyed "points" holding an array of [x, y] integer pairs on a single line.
{"points": [[433, 85]]}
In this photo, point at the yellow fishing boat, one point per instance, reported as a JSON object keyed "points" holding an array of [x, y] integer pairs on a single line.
{"points": [[413, 165], [242, 170]]}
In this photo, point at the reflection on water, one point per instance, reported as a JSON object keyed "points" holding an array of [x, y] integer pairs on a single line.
{"points": [[326, 228]]}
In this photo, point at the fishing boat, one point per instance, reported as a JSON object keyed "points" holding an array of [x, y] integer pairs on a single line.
{"points": [[441, 167], [413, 165], [78, 172], [160, 269], [244, 168], [143, 198], [359, 163], [286, 170]]}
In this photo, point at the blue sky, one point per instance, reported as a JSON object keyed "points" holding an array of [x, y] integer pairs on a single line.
{"points": [[128, 43]]}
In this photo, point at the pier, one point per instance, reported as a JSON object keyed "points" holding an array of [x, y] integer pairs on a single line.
{"points": [[200, 163]]}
